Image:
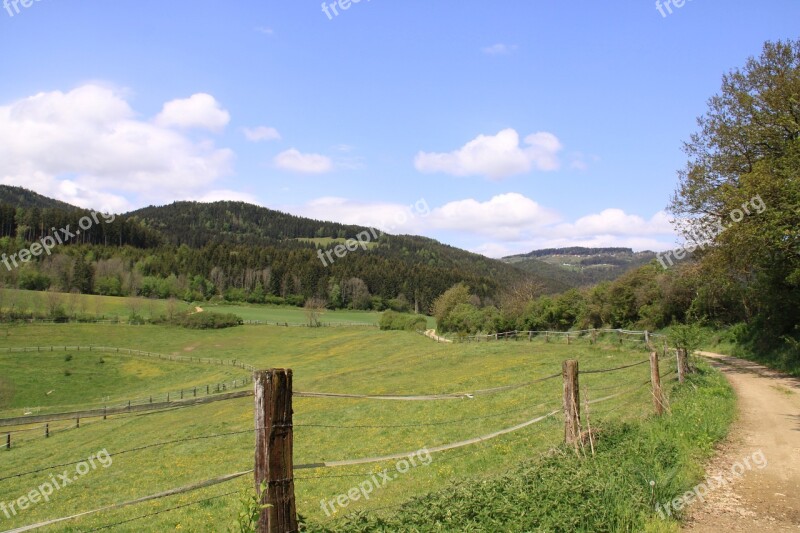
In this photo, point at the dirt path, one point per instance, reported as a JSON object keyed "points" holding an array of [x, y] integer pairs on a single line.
{"points": [[432, 334], [762, 500]]}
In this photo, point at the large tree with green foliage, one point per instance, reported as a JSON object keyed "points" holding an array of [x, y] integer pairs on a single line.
{"points": [[740, 192]]}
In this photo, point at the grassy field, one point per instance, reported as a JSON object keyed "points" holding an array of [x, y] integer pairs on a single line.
{"points": [[59, 381], [112, 307], [86, 304], [343, 360]]}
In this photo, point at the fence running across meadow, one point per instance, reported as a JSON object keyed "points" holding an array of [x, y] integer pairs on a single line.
{"points": [[591, 334], [274, 429], [153, 402]]}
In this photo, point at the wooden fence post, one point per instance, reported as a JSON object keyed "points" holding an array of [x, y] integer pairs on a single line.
{"points": [[8, 441], [572, 403], [655, 379], [274, 463], [568, 341], [47, 431], [647, 338], [683, 364]]}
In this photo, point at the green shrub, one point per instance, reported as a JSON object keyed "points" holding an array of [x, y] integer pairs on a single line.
{"points": [[208, 320], [392, 320]]}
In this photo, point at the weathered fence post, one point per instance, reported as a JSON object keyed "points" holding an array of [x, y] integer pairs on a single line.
{"points": [[274, 448], [568, 341], [594, 336], [683, 364], [647, 338], [47, 431], [655, 379], [572, 403], [8, 441]]}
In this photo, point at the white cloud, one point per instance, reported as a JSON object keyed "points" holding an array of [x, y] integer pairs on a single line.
{"points": [[495, 157], [198, 111], [225, 194], [506, 224], [261, 133], [500, 49], [615, 222], [264, 30], [506, 217], [87, 147], [295, 161], [387, 216]]}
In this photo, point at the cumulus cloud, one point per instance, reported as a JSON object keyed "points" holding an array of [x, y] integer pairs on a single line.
{"points": [[500, 49], [615, 222], [261, 133], [506, 216], [495, 156], [88, 147], [198, 111], [295, 161], [387, 216], [504, 225]]}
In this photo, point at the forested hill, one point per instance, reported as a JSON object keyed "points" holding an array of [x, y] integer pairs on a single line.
{"points": [[243, 252], [19, 197], [197, 224], [200, 224]]}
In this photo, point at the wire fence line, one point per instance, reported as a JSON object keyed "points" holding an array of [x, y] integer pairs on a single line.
{"points": [[231, 477], [332, 464], [571, 334], [165, 494]]}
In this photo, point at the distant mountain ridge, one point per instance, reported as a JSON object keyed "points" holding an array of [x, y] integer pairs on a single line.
{"points": [[580, 266]]}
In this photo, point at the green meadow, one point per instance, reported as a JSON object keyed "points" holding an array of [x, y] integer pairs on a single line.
{"points": [[217, 439]]}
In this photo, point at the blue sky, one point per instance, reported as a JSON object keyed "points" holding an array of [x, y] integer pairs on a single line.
{"points": [[508, 125]]}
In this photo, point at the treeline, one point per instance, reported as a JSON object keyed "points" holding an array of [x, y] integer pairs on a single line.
{"points": [[280, 274], [21, 226]]}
